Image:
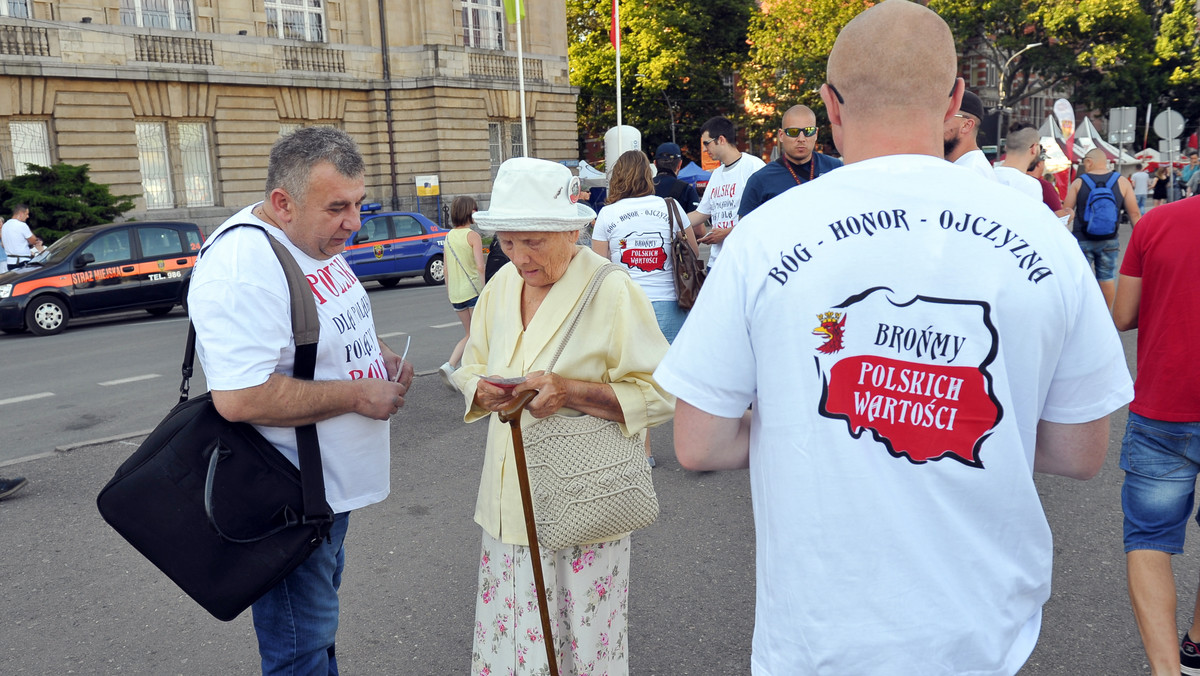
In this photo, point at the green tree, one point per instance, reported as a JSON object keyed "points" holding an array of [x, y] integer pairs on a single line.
{"points": [[684, 53], [1177, 59], [62, 198], [1098, 49], [790, 41]]}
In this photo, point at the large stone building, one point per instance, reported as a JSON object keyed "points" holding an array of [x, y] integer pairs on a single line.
{"points": [[179, 101]]}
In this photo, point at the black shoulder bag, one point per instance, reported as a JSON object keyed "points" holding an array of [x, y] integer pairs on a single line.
{"points": [[212, 503]]}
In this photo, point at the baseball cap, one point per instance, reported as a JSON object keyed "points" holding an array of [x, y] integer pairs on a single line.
{"points": [[971, 105], [668, 150]]}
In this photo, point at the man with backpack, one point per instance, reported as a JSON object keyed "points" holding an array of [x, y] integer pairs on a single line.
{"points": [[1097, 197]]}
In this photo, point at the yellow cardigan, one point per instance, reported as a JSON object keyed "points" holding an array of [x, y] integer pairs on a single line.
{"points": [[617, 342]]}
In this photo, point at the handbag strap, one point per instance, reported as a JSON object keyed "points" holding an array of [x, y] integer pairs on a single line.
{"points": [[462, 267], [673, 217], [306, 330], [590, 293]]}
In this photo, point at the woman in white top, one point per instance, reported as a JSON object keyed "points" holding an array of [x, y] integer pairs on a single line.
{"points": [[464, 274], [634, 232]]}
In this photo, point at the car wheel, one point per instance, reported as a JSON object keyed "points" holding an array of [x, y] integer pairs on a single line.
{"points": [[47, 315], [160, 310], [389, 282], [435, 271]]}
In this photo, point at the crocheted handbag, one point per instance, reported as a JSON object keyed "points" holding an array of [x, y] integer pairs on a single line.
{"points": [[589, 481]]}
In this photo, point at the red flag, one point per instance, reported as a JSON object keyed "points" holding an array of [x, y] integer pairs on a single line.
{"points": [[614, 35]]}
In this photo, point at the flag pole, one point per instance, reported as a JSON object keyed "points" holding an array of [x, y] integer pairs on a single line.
{"points": [[616, 40], [521, 83]]}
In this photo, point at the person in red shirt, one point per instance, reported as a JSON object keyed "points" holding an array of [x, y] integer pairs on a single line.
{"points": [[1157, 294]]}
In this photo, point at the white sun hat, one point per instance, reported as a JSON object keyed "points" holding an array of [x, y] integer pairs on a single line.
{"points": [[531, 195]]}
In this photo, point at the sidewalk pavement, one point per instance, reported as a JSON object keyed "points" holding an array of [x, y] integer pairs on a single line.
{"points": [[79, 599]]}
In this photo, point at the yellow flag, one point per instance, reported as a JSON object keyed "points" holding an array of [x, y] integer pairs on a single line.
{"points": [[510, 10]]}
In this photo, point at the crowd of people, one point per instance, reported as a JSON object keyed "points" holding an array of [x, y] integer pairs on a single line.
{"points": [[903, 341]]}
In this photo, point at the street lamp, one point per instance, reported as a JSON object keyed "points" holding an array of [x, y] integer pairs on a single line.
{"points": [[670, 108], [1001, 81]]}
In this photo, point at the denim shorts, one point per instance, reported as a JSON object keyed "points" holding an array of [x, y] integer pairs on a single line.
{"points": [[1161, 460], [670, 318], [469, 303], [1101, 254]]}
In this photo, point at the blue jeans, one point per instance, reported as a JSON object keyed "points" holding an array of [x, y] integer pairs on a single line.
{"points": [[1161, 460], [670, 318], [1101, 255], [297, 621]]}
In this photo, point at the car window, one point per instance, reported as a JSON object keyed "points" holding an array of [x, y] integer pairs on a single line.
{"points": [[193, 240], [376, 230], [109, 247], [407, 226], [159, 242]]}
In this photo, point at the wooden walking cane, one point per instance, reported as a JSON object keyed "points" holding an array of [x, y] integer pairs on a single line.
{"points": [[512, 416]]}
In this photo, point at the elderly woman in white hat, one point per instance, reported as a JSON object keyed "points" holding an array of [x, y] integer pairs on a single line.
{"points": [[604, 370]]}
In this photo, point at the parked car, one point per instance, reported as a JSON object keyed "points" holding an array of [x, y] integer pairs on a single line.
{"points": [[393, 245], [99, 270]]}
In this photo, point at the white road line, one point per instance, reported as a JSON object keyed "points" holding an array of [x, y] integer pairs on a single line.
{"points": [[134, 379], [445, 326], [393, 334], [28, 397]]}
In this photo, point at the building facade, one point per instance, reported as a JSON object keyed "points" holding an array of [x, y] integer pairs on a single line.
{"points": [[179, 101]]}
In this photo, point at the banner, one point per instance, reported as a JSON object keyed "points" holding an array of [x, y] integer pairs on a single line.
{"points": [[1066, 121], [510, 10], [614, 35]]}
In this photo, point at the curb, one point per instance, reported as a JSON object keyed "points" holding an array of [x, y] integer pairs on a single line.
{"points": [[67, 448]]}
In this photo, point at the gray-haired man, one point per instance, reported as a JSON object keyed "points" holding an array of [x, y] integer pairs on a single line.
{"points": [[239, 303]]}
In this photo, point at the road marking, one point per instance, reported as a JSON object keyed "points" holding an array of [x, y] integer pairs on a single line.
{"points": [[445, 326], [393, 334], [28, 397], [134, 379]]}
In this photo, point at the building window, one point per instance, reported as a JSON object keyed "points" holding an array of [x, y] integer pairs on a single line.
{"points": [[504, 143], [156, 167], [175, 149], [17, 9], [30, 145], [296, 19], [197, 171], [173, 14], [483, 24]]}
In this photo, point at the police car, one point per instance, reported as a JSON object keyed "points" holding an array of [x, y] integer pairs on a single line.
{"points": [[393, 245], [99, 270]]}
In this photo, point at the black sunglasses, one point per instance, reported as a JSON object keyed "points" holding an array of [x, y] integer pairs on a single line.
{"points": [[793, 132]]}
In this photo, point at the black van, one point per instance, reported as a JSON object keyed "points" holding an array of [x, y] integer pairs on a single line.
{"points": [[98, 270]]}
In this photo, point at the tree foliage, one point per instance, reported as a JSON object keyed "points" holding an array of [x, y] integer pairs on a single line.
{"points": [[683, 52], [62, 198], [1097, 49], [790, 41]]}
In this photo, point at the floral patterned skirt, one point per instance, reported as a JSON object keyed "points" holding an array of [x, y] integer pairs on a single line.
{"points": [[588, 591]]}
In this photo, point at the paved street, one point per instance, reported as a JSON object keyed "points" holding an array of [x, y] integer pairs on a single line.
{"points": [[78, 599]]}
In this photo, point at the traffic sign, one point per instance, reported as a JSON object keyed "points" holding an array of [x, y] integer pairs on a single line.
{"points": [[1122, 123], [1168, 124]]}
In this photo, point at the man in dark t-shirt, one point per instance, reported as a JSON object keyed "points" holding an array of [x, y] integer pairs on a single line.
{"points": [[1101, 250], [798, 161]]}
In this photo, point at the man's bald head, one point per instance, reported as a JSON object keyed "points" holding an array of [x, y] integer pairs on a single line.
{"points": [[895, 55], [1095, 159]]}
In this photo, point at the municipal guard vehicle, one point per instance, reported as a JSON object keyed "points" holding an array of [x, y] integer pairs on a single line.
{"points": [[99, 270], [392, 245]]}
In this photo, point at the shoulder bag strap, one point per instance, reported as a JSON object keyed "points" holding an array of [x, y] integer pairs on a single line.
{"points": [[590, 293], [461, 266], [673, 217], [306, 329]]}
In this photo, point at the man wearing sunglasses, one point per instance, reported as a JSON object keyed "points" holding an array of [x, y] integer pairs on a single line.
{"points": [[723, 195], [798, 162], [960, 137], [890, 541]]}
